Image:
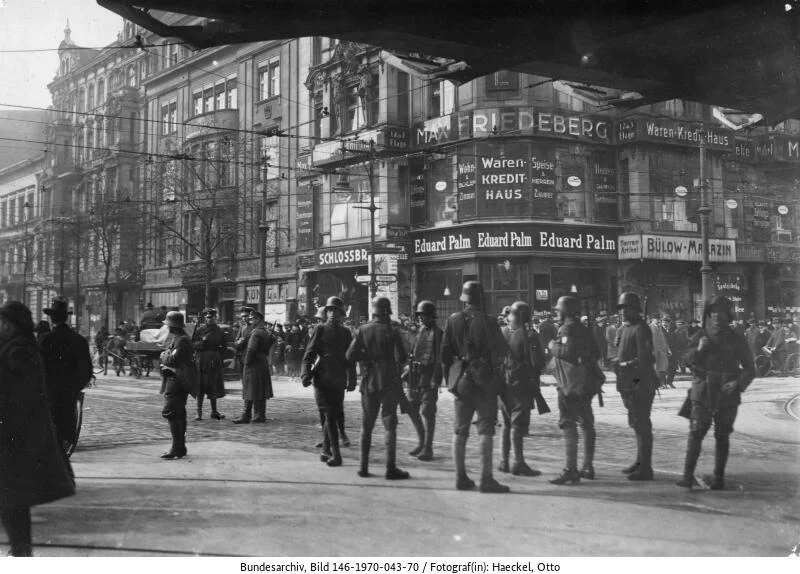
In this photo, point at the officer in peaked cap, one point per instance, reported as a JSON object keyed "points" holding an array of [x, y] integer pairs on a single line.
{"points": [[473, 351], [380, 345], [209, 345]]}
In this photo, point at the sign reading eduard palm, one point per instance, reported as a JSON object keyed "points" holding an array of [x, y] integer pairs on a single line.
{"points": [[516, 237]]}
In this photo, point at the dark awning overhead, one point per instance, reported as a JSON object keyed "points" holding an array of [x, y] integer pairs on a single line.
{"points": [[738, 54]]}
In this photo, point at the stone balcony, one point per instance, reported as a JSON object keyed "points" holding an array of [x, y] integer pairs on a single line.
{"points": [[213, 122]]}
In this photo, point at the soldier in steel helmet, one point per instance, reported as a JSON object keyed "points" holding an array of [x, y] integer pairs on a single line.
{"points": [[178, 381], [722, 365], [473, 351], [379, 345], [325, 365], [425, 378], [523, 368], [575, 353], [634, 365]]}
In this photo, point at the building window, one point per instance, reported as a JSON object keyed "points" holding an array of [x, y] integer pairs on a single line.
{"points": [[502, 80], [442, 100], [101, 92], [269, 159], [132, 76], [355, 110], [197, 103], [232, 95], [347, 221], [169, 118], [269, 80], [90, 97], [403, 97]]}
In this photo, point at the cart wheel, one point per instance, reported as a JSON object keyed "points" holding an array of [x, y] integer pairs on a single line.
{"points": [[136, 368], [762, 364]]}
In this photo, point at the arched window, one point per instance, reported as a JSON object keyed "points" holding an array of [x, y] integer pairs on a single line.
{"points": [[90, 97]]}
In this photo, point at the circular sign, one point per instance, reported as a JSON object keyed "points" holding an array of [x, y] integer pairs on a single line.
{"points": [[441, 185], [783, 210], [681, 191], [574, 181], [732, 204]]}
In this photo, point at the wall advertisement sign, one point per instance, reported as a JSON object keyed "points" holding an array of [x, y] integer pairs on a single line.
{"points": [[675, 248], [305, 217], [675, 132], [779, 147], [465, 181], [517, 121], [731, 285], [515, 237], [342, 257], [760, 212]]}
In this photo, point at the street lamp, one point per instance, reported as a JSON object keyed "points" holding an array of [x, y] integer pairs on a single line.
{"points": [[704, 210], [27, 206]]}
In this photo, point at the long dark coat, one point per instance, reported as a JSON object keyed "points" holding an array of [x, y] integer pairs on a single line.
{"points": [[380, 345], [330, 341], [256, 379], [209, 343], [33, 467]]}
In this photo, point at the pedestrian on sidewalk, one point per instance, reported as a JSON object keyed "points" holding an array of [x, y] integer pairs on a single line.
{"points": [[661, 351], [523, 368], [473, 351], [209, 344], [722, 365], [575, 356], [33, 468], [178, 381], [636, 381], [67, 370], [242, 336], [380, 346], [256, 378], [325, 365], [424, 379]]}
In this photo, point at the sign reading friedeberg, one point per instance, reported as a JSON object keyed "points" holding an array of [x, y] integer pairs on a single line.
{"points": [[522, 237]]}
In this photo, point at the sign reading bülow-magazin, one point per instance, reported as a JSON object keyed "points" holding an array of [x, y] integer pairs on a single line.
{"points": [[674, 248]]}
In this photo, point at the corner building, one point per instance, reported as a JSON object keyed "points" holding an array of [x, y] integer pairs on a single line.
{"points": [[513, 182]]}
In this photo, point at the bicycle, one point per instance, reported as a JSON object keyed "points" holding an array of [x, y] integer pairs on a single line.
{"points": [[70, 446]]}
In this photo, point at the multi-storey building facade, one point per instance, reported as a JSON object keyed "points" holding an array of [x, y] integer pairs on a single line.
{"points": [[246, 174]]}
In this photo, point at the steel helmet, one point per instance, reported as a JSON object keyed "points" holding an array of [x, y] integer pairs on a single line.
{"points": [[426, 308], [472, 293], [381, 306], [335, 303], [175, 319], [629, 299], [522, 310], [568, 305]]}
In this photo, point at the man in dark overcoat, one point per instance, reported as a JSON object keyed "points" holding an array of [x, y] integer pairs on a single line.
{"points": [[37, 472], [242, 336], [68, 369], [256, 378], [178, 381], [325, 365], [722, 368], [473, 351], [523, 368], [209, 344], [379, 345], [634, 364], [425, 378]]}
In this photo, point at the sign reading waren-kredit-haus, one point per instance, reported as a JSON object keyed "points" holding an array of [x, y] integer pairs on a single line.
{"points": [[525, 238], [674, 248]]}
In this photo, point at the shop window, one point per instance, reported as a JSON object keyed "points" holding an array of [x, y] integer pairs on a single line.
{"points": [[355, 112], [668, 171], [442, 198], [442, 98], [269, 80], [403, 98]]}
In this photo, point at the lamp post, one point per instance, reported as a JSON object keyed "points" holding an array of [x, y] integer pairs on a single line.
{"points": [[704, 210], [27, 206], [373, 284], [263, 228]]}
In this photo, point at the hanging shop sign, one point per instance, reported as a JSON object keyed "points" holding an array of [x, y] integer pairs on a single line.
{"points": [[305, 217], [760, 212], [489, 122], [516, 237], [731, 285], [675, 132], [386, 139], [675, 248]]}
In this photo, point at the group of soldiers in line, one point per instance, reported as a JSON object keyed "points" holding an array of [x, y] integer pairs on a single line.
{"points": [[483, 366]]}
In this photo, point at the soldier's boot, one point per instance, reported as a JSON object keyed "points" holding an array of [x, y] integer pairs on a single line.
{"points": [[645, 470], [182, 437], [17, 523], [321, 443], [246, 415], [570, 474], [505, 449], [416, 420], [488, 483], [366, 443], [332, 436], [720, 460], [463, 482], [199, 416], [693, 447], [345, 440], [326, 453], [175, 449], [520, 468], [261, 411], [635, 466], [430, 428], [589, 438], [392, 472], [215, 414]]}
